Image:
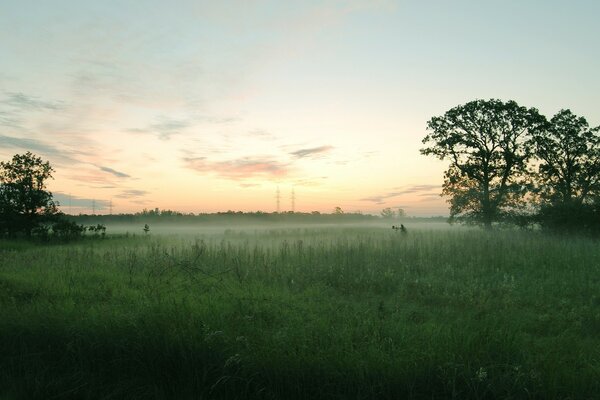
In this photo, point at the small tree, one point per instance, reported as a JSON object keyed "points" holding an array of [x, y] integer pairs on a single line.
{"points": [[388, 213], [25, 204], [338, 211], [99, 229], [67, 230]]}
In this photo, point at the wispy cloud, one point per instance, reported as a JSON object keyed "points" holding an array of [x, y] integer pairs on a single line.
{"points": [[419, 190], [26, 102], [37, 146], [429, 196], [10, 120], [169, 127], [165, 127], [67, 200], [261, 134], [118, 174], [132, 193], [316, 181], [246, 167], [248, 185], [313, 152], [360, 156], [16, 106]]}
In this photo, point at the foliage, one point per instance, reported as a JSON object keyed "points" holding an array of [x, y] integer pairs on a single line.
{"points": [[488, 146], [570, 217], [98, 229], [67, 230], [569, 154], [388, 213], [25, 204]]}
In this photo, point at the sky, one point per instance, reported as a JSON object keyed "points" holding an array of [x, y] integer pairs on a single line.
{"points": [[204, 106]]}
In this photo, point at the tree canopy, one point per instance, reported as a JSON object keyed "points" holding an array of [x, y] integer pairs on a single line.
{"points": [[488, 145], [24, 201], [569, 160]]}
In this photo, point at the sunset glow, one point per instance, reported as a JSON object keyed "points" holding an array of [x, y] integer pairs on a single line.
{"points": [[211, 106]]}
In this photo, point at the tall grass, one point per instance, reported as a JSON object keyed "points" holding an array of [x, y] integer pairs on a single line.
{"points": [[303, 313]]}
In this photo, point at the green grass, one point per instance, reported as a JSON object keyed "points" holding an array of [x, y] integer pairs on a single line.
{"points": [[353, 313]]}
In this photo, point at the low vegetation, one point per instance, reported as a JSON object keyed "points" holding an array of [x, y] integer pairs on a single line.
{"points": [[302, 313]]}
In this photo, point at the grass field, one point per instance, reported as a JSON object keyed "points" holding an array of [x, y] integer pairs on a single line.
{"points": [[321, 313]]}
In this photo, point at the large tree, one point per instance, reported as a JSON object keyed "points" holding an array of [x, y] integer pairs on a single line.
{"points": [[488, 145], [24, 201], [569, 160]]}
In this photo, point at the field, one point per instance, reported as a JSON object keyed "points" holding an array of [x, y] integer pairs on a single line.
{"points": [[302, 313]]}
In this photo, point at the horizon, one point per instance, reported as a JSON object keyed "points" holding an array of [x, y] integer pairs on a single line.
{"points": [[160, 212], [210, 107]]}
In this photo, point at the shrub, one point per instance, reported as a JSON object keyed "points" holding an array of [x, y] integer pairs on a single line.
{"points": [[67, 230]]}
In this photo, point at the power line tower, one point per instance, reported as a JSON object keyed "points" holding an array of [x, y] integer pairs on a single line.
{"points": [[293, 199], [94, 207], [110, 207], [278, 197], [69, 203]]}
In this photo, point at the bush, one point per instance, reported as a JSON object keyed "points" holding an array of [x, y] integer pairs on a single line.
{"points": [[67, 230], [570, 218]]}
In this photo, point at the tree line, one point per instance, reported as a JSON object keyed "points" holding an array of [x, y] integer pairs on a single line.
{"points": [[28, 209], [511, 164]]}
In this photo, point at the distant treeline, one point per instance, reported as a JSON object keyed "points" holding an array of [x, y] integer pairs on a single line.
{"points": [[229, 217]]}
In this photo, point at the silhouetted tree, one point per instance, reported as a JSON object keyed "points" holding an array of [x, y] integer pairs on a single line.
{"points": [[569, 154], [568, 174], [388, 213], [338, 211], [488, 145], [25, 203], [66, 230]]}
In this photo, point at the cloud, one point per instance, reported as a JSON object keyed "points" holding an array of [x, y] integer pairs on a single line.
{"points": [[261, 134], [37, 146], [132, 193], [98, 177], [429, 196], [15, 105], [248, 185], [169, 127], [311, 152], [420, 190], [360, 155], [26, 102], [165, 127], [316, 181], [374, 199], [246, 167], [10, 119], [113, 172], [67, 200]]}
